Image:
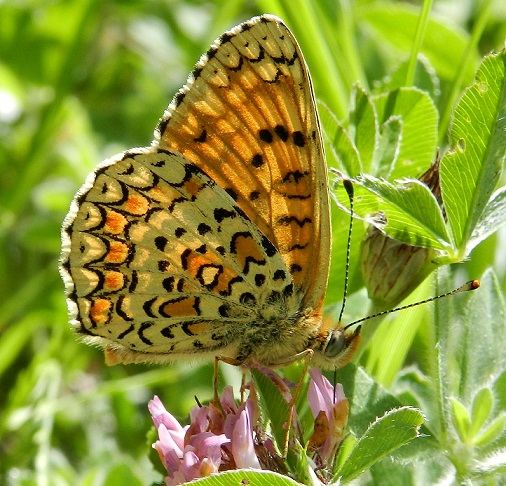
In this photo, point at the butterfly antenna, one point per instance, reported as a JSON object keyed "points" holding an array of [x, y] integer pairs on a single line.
{"points": [[471, 285], [348, 185]]}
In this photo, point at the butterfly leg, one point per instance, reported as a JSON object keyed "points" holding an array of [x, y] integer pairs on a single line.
{"points": [[243, 383], [230, 361], [306, 357]]}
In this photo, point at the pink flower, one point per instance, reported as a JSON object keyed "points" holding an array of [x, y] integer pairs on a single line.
{"points": [[186, 452], [330, 410], [209, 444], [228, 436]]}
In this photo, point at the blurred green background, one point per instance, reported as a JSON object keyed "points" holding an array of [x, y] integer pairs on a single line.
{"points": [[81, 80]]}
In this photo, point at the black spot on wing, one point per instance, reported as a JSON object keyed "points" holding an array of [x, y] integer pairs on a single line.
{"points": [[294, 176], [248, 299], [257, 161], [221, 213], [203, 228], [179, 232], [202, 137], [299, 139], [167, 332], [161, 242], [265, 135], [163, 265], [231, 192], [281, 132]]}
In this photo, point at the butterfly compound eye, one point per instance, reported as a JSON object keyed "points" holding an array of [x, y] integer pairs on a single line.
{"points": [[335, 344]]}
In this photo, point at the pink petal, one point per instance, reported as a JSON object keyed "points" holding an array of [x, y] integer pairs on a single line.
{"points": [[198, 421], [190, 466], [320, 394], [243, 448], [168, 450], [323, 398], [210, 447], [227, 400], [160, 416]]}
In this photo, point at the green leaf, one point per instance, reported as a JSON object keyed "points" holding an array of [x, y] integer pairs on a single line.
{"points": [[345, 448], [494, 430], [389, 146], [273, 404], [412, 213], [471, 169], [388, 433], [461, 419], [425, 78], [368, 399], [340, 150], [420, 122], [246, 477], [363, 128], [482, 407], [472, 346], [471, 331], [493, 218], [491, 466]]}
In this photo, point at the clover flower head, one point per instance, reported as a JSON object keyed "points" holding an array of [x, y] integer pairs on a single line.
{"points": [[224, 436]]}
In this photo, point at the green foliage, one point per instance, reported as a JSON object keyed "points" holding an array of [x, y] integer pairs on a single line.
{"points": [[384, 436], [470, 169], [257, 478], [81, 80]]}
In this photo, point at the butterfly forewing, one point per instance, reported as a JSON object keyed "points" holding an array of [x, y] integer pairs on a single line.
{"points": [[247, 118]]}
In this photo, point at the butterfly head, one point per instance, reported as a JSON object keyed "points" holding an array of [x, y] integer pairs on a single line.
{"points": [[335, 347]]}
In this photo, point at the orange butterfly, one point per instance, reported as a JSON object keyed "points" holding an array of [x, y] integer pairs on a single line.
{"points": [[214, 241]]}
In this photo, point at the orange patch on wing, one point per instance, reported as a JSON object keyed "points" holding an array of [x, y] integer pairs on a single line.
{"points": [[136, 204], [114, 281], [180, 308], [224, 281], [246, 247], [118, 252], [193, 187], [194, 263], [99, 311], [161, 194], [195, 260], [115, 223], [197, 328]]}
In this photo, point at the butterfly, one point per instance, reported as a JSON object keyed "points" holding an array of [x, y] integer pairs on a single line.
{"points": [[215, 240]]}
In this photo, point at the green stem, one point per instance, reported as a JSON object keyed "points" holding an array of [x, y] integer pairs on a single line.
{"points": [[421, 28]]}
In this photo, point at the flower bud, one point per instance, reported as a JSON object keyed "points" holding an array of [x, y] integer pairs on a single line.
{"points": [[392, 269]]}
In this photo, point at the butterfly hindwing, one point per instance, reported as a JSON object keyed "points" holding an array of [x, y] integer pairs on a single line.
{"points": [[162, 260]]}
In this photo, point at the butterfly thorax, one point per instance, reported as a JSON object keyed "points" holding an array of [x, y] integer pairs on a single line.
{"points": [[282, 330]]}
